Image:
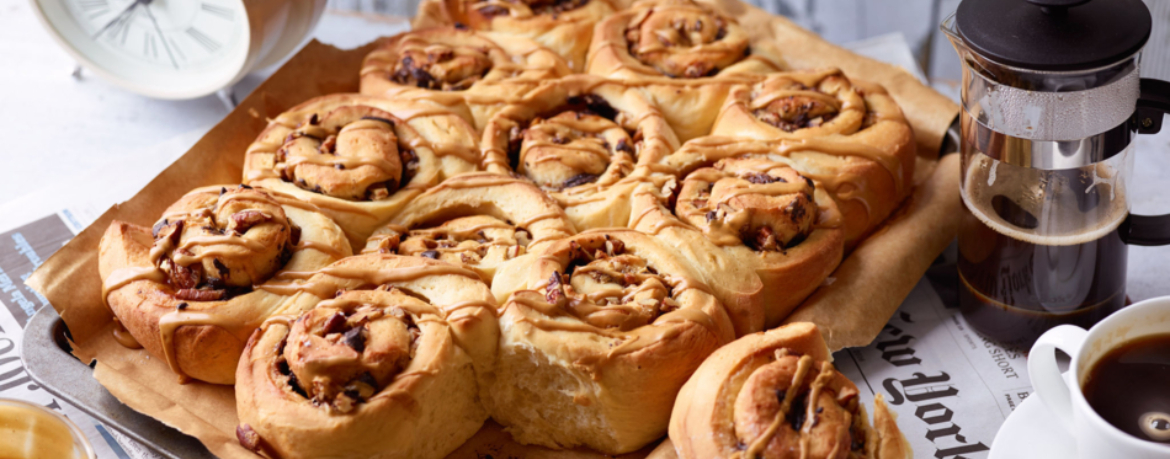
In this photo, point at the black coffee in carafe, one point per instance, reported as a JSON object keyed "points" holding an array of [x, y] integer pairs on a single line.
{"points": [[1040, 248], [1014, 290]]}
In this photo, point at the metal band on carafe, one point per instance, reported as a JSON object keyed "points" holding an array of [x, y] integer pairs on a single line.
{"points": [[1045, 115]]}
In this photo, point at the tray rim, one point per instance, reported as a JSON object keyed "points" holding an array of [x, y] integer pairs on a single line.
{"points": [[64, 376]]}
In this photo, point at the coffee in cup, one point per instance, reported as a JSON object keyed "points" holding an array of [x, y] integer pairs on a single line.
{"points": [[1114, 401], [1129, 387]]}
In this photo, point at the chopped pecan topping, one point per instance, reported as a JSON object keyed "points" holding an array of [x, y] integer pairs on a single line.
{"points": [[243, 221], [248, 438], [355, 338], [764, 239], [190, 294], [183, 277], [579, 180], [761, 178], [335, 324]]}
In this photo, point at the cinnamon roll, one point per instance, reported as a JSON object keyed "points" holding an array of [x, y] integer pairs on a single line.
{"points": [[598, 332], [360, 158], [189, 289], [478, 221], [565, 26], [681, 39], [469, 72], [775, 394], [378, 356], [683, 55], [580, 139], [756, 215], [848, 136]]}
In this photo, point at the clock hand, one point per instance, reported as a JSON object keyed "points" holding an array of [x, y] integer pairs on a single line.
{"points": [[118, 18], [158, 29]]}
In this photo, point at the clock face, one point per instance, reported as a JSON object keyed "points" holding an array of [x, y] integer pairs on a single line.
{"points": [[164, 48]]}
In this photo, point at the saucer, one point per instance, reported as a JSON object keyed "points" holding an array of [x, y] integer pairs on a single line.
{"points": [[1032, 432]]}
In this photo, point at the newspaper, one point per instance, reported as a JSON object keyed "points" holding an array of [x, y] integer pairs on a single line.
{"points": [[939, 376], [21, 251]]}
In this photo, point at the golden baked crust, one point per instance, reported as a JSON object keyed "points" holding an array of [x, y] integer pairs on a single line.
{"points": [[850, 137], [477, 220], [469, 72], [763, 235], [565, 26], [775, 395], [683, 56], [378, 356], [360, 158], [585, 141], [191, 290], [598, 332]]}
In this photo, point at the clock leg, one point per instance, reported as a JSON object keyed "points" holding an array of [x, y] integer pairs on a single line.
{"points": [[228, 97], [76, 72]]}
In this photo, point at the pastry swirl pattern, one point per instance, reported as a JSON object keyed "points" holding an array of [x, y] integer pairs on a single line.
{"points": [[192, 288], [361, 158], [469, 72], [599, 331], [375, 356], [565, 26], [776, 395], [585, 141], [479, 221]]}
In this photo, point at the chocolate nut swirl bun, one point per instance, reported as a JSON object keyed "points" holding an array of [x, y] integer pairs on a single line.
{"points": [[360, 158], [580, 139], [471, 73], [775, 395], [680, 39], [477, 220], [564, 26], [598, 332], [849, 137], [761, 215], [189, 290], [683, 55], [377, 356]]}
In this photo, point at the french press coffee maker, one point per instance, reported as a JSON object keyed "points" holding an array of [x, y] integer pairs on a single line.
{"points": [[1052, 100]]}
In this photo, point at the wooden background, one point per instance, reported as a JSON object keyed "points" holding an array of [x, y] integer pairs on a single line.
{"points": [[844, 21]]}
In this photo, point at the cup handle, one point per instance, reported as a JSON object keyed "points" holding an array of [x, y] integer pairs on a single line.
{"points": [[1047, 380], [1154, 102]]}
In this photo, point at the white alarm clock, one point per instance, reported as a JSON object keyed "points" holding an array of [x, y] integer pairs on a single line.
{"points": [[178, 49]]}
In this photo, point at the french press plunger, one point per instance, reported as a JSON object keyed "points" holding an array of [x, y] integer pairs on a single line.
{"points": [[1052, 99]]}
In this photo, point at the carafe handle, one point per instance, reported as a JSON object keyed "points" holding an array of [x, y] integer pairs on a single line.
{"points": [[1149, 230]]}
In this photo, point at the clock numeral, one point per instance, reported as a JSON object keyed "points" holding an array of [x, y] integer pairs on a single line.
{"points": [[95, 8], [150, 46], [178, 51], [121, 29], [217, 10], [94, 4], [203, 39]]}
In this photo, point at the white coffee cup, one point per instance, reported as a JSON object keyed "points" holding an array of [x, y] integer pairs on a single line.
{"points": [[1095, 437]]}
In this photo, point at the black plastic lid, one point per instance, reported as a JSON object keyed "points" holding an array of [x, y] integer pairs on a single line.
{"points": [[1054, 34]]}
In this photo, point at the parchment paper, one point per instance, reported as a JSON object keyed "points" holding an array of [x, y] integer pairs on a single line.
{"points": [[868, 286]]}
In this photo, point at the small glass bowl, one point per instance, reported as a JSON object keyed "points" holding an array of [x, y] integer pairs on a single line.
{"points": [[41, 432]]}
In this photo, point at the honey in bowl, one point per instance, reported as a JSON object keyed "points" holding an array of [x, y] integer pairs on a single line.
{"points": [[29, 431], [1130, 388]]}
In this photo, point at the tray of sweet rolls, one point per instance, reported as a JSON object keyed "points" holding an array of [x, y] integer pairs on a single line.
{"points": [[573, 228]]}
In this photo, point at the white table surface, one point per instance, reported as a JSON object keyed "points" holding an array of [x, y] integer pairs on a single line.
{"points": [[67, 136]]}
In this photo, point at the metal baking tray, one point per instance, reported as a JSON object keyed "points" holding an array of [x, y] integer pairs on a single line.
{"points": [[47, 359]]}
